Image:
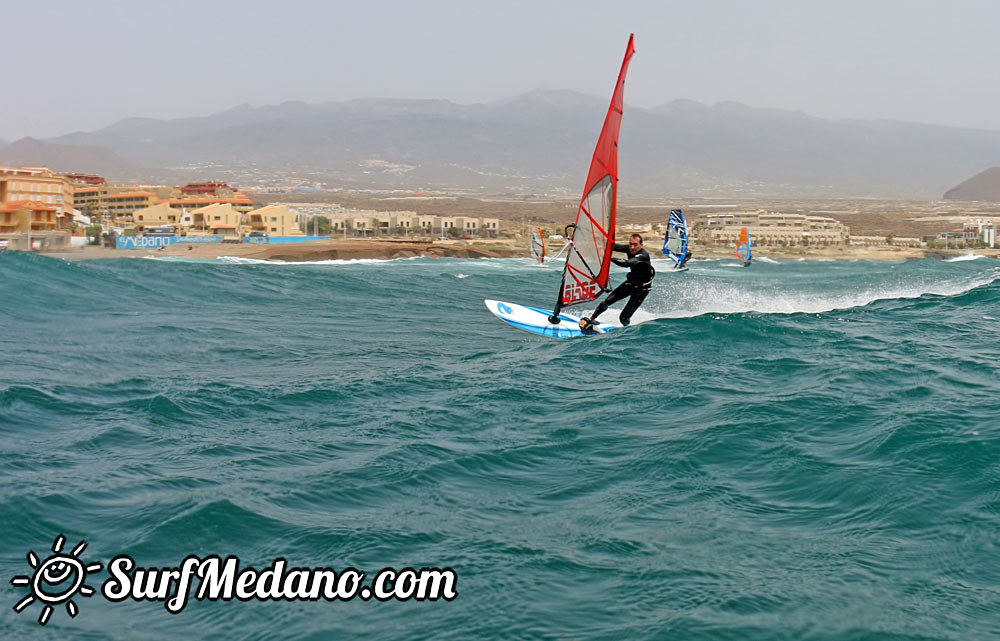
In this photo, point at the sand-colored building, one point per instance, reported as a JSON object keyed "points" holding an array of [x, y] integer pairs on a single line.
{"points": [[121, 201], [489, 227], [36, 185], [217, 219], [368, 222], [466, 226], [426, 224], [445, 223], [404, 223], [157, 215], [274, 220], [886, 240], [773, 228], [90, 198], [121, 206]]}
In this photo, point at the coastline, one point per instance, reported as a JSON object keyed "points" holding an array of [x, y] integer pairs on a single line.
{"points": [[390, 249], [306, 251]]}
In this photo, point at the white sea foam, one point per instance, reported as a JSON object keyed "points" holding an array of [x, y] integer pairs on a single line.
{"points": [[701, 296]]}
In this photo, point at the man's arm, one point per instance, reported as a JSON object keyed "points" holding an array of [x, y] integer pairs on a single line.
{"points": [[641, 257]]}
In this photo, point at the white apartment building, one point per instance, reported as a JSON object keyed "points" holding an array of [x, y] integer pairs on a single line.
{"points": [[976, 231]]}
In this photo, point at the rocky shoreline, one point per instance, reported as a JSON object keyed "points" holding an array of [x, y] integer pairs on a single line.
{"points": [[308, 251], [390, 249]]}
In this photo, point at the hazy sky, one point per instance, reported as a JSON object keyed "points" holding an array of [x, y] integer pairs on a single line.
{"points": [[70, 66]]}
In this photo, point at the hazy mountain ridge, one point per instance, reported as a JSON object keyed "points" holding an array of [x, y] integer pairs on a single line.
{"points": [[543, 141], [984, 186], [65, 158]]}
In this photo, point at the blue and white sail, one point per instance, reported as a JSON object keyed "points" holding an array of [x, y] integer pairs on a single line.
{"points": [[675, 241]]}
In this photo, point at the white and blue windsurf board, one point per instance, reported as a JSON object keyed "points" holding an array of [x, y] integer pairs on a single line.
{"points": [[536, 320]]}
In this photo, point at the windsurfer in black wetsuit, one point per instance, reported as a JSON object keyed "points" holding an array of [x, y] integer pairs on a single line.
{"points": [[636, 285]]}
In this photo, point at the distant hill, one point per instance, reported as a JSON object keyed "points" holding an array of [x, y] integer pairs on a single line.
{"points": [[984, 186], [541, 142], [66, 158]]}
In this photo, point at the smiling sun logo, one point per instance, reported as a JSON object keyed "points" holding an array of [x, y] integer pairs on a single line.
{"points": [[56, 580]]}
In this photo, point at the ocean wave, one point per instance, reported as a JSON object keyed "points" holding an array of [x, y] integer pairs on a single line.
{"points": [[964, 257], [749, 457]]}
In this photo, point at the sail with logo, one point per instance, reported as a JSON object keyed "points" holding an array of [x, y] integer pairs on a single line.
{"points": [[591, 236], [585, 275]]}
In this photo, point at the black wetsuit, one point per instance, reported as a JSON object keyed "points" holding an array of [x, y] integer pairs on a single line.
{"points": [[635, 287]]}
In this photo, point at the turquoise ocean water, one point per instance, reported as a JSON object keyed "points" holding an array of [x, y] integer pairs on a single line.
{"points": [[799, 450]]}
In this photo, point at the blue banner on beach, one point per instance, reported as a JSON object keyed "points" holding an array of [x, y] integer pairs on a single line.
{"points": [[155, 242], [197, 240], [296, 239], [143, 242]]}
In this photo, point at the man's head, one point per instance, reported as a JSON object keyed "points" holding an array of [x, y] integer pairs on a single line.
{"points": [[635, 242]]}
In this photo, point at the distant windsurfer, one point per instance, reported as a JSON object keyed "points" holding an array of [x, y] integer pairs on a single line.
{"points": [[636, 286], [687, 257]]}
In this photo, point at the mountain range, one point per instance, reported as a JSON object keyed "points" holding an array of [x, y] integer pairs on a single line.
{"points": [[984, 186], [540, 142]]}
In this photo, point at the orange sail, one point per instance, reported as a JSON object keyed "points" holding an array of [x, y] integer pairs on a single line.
{"points": [[585, 276], [743, 246]]}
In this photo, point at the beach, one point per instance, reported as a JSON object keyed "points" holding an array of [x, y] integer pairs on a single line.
{"points": [[308, 251], [355, 249]]}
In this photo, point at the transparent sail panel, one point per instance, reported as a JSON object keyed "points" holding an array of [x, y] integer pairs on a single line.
{"points": [[586, 268]]}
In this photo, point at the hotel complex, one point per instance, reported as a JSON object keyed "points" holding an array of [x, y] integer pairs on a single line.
{"points": [[770, 228], [35, 201], [40, 208], [45, 206]]}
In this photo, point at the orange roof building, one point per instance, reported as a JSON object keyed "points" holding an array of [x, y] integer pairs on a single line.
{"points": [[17, 217], [36, 184], [214, 188], [242, 204]]}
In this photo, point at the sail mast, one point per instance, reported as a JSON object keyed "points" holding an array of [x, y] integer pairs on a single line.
{"points": [[587, 268]]}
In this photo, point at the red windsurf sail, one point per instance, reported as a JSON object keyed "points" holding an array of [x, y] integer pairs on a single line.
{"points": [[537, 248], [585, 276]]}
